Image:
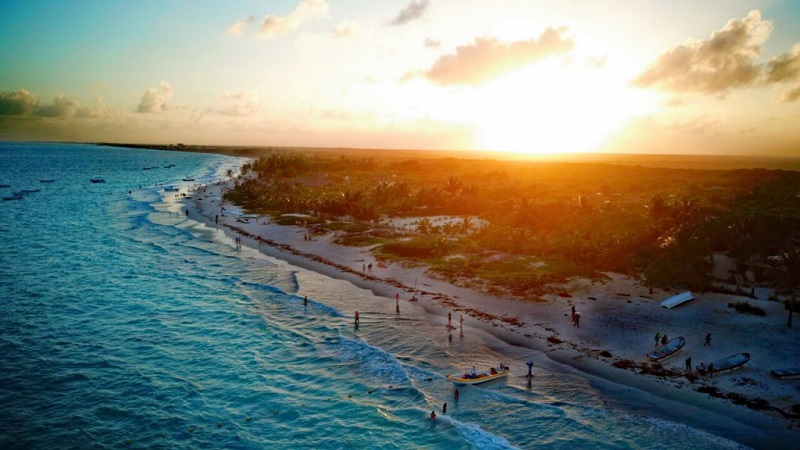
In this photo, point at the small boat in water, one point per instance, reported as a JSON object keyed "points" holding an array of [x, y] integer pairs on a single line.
{"points": [[727, 364], [47, 181], [188, 179], [97, 180], [479, 377], [171, 188], [669, 349], [16, 196]]}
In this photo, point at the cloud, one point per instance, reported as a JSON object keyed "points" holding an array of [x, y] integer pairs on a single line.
{"points": [[344, 30], [239, 104], [306, 10], [24, 103], [715, 65], [155, 99], [61, 106], [237, 28], [98, 110], [487, 57], [17, 103], [432, 43], [412, 12], [785, 68]]}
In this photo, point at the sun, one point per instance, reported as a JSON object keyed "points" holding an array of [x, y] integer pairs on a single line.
{"points": [[556, 107]]}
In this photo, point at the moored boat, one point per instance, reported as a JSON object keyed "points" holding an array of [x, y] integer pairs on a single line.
{"points": [[97, 180], [479, 377], [672, 347]]}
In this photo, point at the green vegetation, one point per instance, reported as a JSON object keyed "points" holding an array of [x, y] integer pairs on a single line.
{"points": [[551, 220]]}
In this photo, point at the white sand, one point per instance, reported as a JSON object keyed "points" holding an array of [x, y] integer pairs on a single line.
{"points": [[616, 316]]}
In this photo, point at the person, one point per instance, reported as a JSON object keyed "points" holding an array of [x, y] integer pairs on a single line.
{"points": [[461, 319], [305, 300], [492, 371], [578, 319], [456, 395], [444, 408], [689, 364], [473, 372], [657, 339], [573, 310], [664, 340], [530, 368], [701, 369], [708, 340], [433, 415], [449, 318], [357, 318], [397, 296]]}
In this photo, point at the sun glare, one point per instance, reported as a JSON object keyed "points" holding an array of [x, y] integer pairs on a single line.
{"points": [[553, 107]]}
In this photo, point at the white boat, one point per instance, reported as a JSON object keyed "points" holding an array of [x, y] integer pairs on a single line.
{"points": [[786, 374], [677, 300], [669, 349], [727, 364], [479, 377]]}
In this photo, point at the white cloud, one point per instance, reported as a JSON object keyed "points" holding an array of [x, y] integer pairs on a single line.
{"points": [[724, 61], [238, 28], [306, 10], [487, 57], [155, 99]]}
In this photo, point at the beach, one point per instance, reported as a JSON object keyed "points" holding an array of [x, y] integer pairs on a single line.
{"points": [[618, 321]]}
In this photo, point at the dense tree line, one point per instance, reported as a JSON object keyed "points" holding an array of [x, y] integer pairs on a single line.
{"points": [[661, 224]]}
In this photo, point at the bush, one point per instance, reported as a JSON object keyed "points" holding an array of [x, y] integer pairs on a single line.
{"points": [[747, 308]]}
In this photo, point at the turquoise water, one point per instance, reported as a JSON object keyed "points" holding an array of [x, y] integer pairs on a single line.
{"points": [[126, 324]]}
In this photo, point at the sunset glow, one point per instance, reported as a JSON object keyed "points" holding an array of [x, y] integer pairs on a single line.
{"points": [[529, 77]]}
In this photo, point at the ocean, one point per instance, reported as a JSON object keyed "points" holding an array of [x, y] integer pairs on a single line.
{"points": [[125, 323]]}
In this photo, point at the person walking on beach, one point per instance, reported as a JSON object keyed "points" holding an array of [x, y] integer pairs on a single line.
{"points": [[708, 340], [358, 319], [461, 319], [444, 408], [689, 364], [530, 368], [657, 339], [449, 319], [664, 340], [305, 300]]}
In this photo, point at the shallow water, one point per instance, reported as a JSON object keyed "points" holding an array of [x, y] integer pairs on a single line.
{"points": [[125, 323]]}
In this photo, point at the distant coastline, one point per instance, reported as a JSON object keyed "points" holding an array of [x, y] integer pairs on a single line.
{"points": [[670, 161]]}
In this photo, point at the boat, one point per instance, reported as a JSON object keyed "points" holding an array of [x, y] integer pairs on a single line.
{"points": [[5, 185], [786, 374], [13, 197], [29, 191], [172, 188], [47, 181], [479, 377], [97, 180], [188, 179], [672, 347], [727, 364], [677, 300]]}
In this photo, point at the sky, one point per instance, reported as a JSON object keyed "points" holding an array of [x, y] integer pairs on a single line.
{"points": [[527, 76]]}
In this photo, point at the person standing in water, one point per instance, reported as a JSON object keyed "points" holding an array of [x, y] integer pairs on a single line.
{"points": [[358, 319]]}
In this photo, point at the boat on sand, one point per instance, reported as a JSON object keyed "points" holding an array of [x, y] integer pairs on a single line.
{"points": [[672, 347], [479, 377], [786, 374], [727, 364]]}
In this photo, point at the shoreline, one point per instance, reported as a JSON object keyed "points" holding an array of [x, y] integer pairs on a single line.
{"points": [[618, 319]]}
